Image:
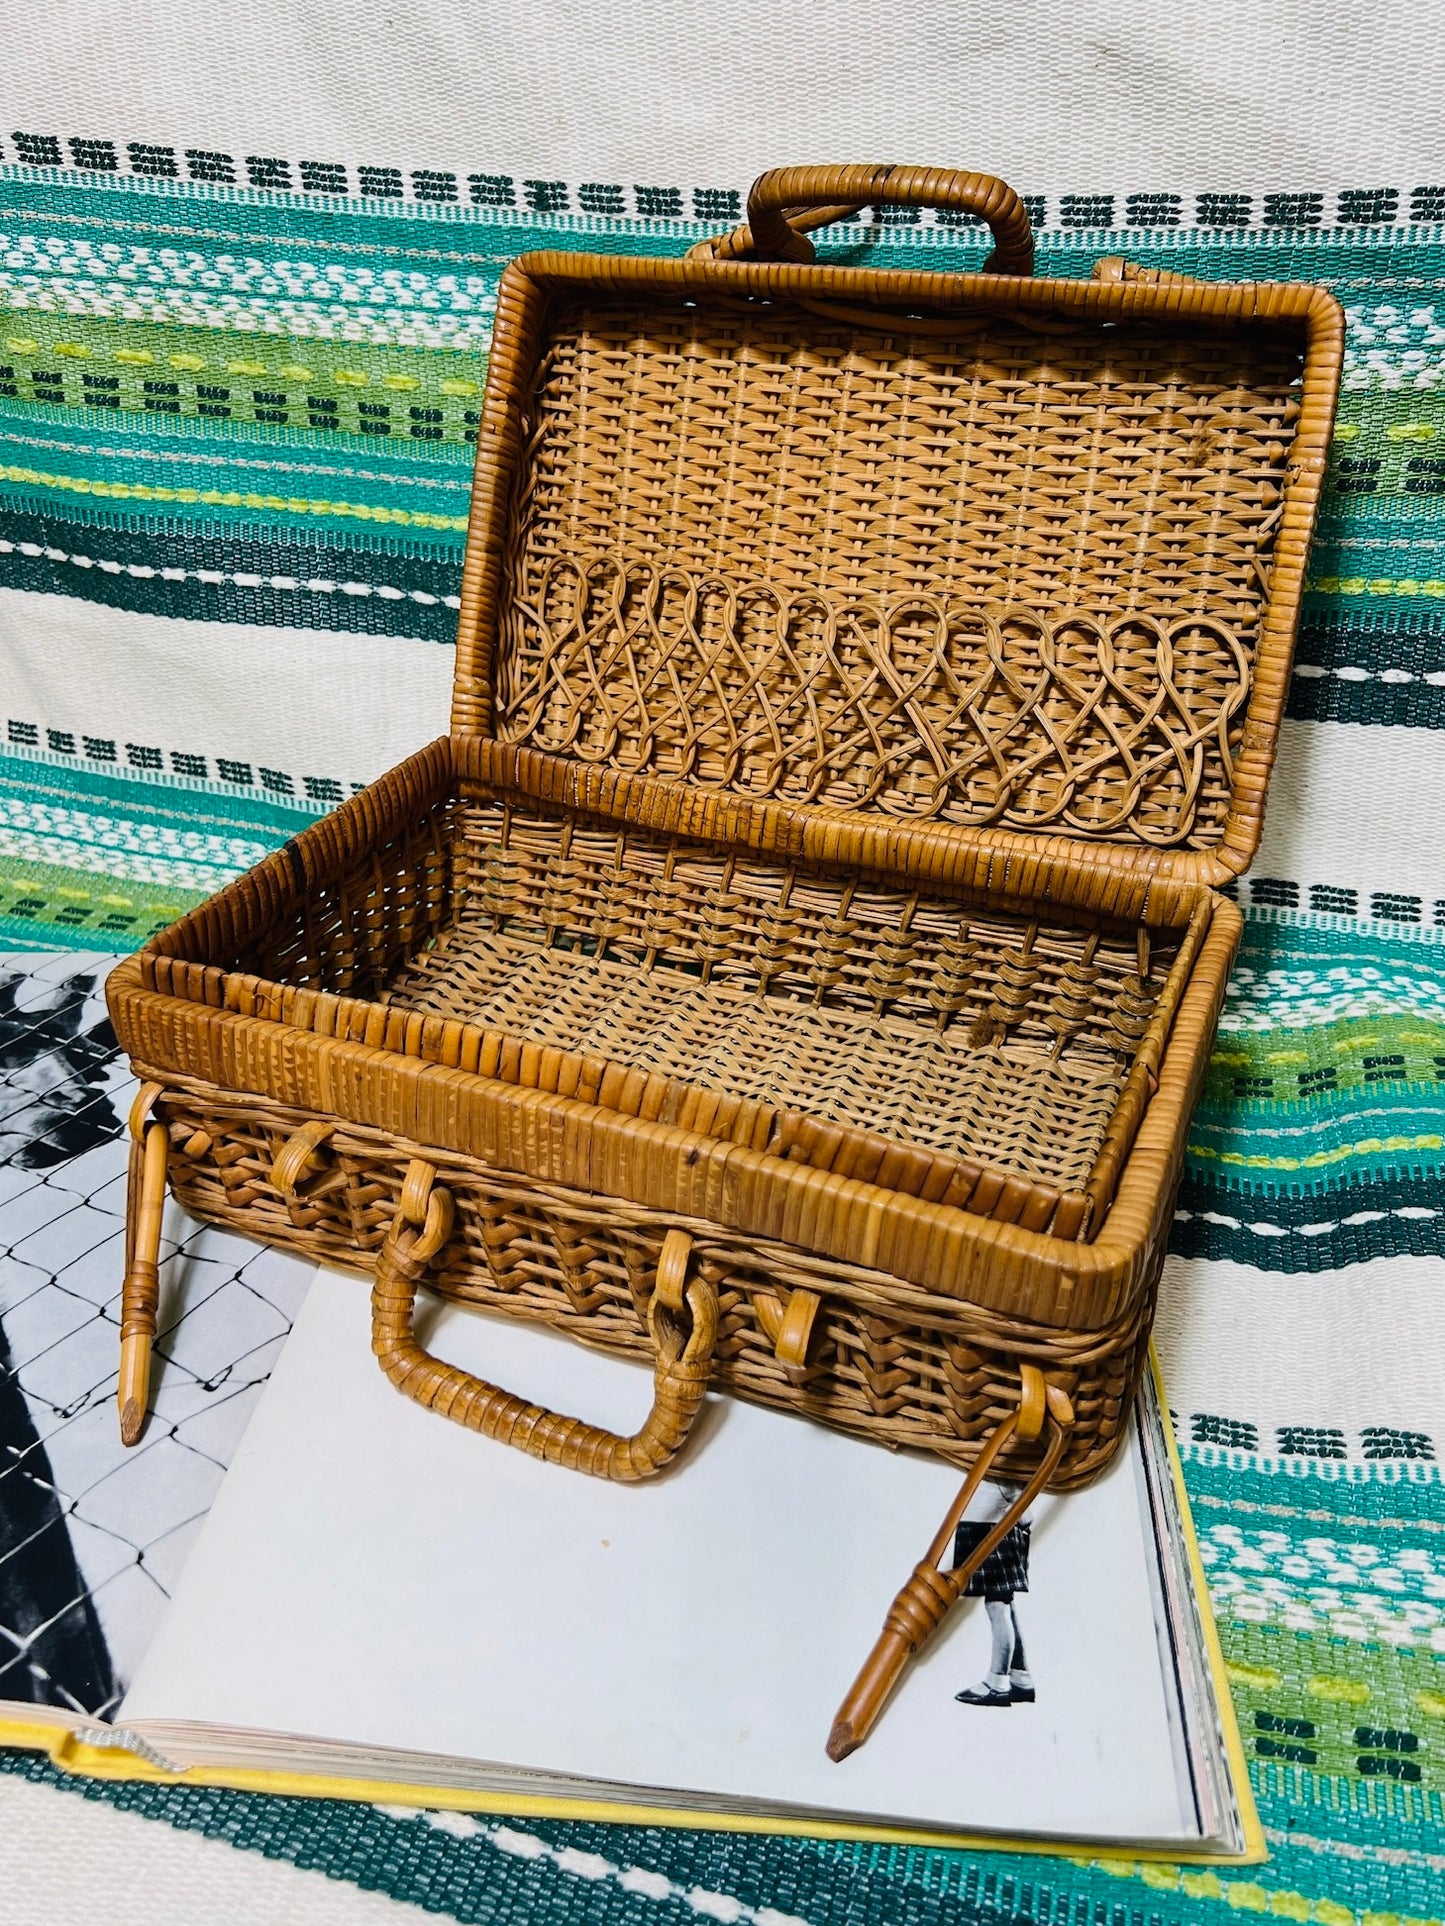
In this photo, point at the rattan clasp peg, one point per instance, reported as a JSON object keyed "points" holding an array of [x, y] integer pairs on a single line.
{"points": [[929, 1594], [145, 1202]]}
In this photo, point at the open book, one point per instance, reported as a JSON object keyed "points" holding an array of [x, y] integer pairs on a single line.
{"points": [[384, 1605]]}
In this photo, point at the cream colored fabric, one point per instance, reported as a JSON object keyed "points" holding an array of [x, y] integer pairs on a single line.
{"points": [[1054, 94], [66, 1860]]}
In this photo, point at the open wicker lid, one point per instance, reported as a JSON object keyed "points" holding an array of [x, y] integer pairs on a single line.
{"points": [[1021, 558]]}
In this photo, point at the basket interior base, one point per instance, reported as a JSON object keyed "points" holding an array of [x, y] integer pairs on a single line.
{"points": [[1019, 1109]]}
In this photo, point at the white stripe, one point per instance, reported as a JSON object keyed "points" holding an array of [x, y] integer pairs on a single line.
{"points": [[594, 1869], [21, 817], [311, 702], [1060, 96], [378, 327], [63, 1851], [1260, 1227], [1312, 672], [107, 854], [1337, 1349], [1356, 807]]}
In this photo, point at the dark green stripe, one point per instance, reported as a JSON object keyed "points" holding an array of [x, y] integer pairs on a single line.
{"points": [[1387, 1235], [1340, 639], [473, 1882], [1405, 646], [1410, 705], [232, 554]]}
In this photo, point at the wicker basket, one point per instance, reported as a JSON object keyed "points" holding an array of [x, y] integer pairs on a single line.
{"points": [[799, 963]]}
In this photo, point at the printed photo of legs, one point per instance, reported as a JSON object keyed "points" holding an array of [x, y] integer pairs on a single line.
{"points": [[998, 1581]]}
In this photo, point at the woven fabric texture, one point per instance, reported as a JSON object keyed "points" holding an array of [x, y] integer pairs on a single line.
{"points": [[243, 333]]}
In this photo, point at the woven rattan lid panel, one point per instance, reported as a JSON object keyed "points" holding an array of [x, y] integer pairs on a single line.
{"points": [[1010, 574]]}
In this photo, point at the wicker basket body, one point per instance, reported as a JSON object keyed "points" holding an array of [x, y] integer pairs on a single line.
{"points": [[809, 929]]}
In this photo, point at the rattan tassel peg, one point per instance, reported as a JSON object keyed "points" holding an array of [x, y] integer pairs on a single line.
{"points": [[929, 1594], [140, 1293]]}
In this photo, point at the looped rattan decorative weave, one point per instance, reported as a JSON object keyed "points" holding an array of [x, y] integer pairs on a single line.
{"points": [[1010, 579], [798, 965], [918, 706]]}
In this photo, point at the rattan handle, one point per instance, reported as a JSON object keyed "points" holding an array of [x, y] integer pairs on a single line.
{"points": [[681, 1370], [788, 200]]}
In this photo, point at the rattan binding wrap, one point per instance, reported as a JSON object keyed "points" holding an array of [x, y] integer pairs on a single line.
{"points": [[799, 964]]}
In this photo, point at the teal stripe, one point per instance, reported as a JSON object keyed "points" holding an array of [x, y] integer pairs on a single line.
{"points": [[1269, 931], [316, 454], [89, 446], [166, 800], [347, 539], [1330, 1140], [16, 933], [168, 212]]}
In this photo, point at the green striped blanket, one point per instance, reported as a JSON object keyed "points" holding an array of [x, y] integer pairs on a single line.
{"points": [[237, 423]]}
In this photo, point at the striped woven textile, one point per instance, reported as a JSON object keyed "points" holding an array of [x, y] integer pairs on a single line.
{"points": [[238, 395]]}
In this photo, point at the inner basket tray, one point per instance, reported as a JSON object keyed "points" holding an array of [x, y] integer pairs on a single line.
{"points": [[993, 1055]]}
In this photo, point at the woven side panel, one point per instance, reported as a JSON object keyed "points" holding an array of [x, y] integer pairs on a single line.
{"points": [[806, 936], [1011, 575], [935, 1377], [350, 931]]}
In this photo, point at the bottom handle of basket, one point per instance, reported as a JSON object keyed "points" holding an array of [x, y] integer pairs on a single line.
{"points": [[681, 1369], [930, 1593]]}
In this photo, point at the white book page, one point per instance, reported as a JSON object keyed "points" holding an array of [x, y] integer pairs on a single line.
{"points": [[376, 1575]]}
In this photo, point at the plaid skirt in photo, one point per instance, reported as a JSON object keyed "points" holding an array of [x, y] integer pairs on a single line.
{"points": [[1004, 1571]]}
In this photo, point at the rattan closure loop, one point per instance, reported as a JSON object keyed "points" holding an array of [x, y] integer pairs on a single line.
{"points": [[436, 1228], [416, 1190], [790, 1327], [299, 1158], [1032, 1404], [140, 1110], [672, 1269]]}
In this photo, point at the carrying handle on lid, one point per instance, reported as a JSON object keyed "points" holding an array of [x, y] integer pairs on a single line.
{"points": [[788, 202], [682, 1321]]}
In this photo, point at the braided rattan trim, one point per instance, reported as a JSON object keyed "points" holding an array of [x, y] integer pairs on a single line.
{"points": [[885, 1361], [909, 704]]}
